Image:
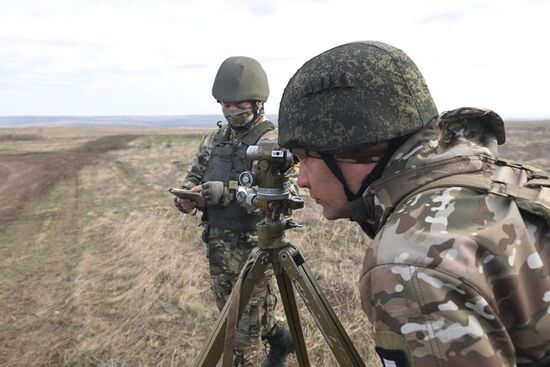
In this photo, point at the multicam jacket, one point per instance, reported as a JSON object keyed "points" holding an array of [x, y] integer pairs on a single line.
{"points": [[455, 276]]}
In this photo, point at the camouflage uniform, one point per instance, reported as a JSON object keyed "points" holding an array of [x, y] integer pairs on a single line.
{"points": [[455, 276], [227, 252]]}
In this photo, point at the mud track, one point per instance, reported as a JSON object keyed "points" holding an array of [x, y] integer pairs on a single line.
{"points": [[38, 259], [26, 177]]}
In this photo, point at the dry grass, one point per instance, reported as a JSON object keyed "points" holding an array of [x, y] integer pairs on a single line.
{"points": [[528, 142], [103, 271], [52, 139]]}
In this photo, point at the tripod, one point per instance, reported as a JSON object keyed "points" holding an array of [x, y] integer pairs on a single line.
{"points": [[290, 268]]}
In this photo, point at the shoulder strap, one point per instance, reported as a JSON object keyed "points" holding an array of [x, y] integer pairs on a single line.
{"points": [[257, 132], [536, 190], [536, 182]]}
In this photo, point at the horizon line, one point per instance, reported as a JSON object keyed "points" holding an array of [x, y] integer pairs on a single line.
{"points": [[512, 118]]}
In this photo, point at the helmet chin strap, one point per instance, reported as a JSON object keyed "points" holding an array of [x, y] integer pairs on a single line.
{"points": [[255, 110], [337, 172], [374, 175]]}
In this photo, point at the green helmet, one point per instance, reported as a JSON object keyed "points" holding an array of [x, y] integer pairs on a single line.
{"points": [[352, 96], [240, 78]]}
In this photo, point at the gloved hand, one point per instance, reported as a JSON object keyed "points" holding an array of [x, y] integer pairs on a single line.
{"points": [[212, 191], [188, 206]]}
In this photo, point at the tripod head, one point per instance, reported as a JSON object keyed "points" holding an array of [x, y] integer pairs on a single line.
{"points": [[270, 193]]}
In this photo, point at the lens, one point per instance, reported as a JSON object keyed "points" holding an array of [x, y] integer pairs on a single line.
{"points": [[247, 179], [241, 195]]}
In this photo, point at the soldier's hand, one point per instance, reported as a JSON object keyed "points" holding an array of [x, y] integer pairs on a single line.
{"points": [[189, 205], [213, 192]]}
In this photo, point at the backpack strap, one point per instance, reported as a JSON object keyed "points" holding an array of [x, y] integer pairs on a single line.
{"points": [[538, 182], [480, 183], [534, 196]]}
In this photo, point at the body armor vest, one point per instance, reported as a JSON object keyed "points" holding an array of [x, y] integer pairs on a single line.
{"points": [[227, 161]]}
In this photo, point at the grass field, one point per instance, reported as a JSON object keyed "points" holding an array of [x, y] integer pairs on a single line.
{"points": [[98, 268]]}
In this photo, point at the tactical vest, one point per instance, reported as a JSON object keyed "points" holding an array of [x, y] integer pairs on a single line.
{"points": [[227, 161]]}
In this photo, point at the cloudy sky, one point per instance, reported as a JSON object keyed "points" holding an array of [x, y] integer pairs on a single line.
{"points": [[159, 57]]}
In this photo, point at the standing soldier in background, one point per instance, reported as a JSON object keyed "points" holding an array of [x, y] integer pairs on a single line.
{"points": [[229, 236], [458, 270]]}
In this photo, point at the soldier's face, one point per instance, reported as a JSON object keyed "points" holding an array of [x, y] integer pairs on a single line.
{"points": [[236, 105], [325, 188], [237, 113]]}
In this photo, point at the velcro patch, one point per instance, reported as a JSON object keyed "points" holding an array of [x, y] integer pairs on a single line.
{"points": [[328, 81], [392, 357]]}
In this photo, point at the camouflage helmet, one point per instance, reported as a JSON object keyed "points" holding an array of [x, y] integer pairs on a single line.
{"points": [[352, 96], [240, 78]]}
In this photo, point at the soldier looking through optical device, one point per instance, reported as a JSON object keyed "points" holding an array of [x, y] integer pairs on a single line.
{"points": [[458, 270]]}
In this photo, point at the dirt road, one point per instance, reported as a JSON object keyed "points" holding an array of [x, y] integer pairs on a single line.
{"points": [[39, 253], [25, 177]]}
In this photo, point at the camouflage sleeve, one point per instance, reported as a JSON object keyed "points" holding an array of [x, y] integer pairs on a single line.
{"points": [[196, 171], [459, 278]]}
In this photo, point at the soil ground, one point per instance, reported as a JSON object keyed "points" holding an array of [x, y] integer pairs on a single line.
{"points": [[28, 176], [98, 269], [32, 286]]}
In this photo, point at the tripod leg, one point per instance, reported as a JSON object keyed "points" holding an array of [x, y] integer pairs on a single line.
{"points": [[338, 340], [251, 273], [292, 316]]}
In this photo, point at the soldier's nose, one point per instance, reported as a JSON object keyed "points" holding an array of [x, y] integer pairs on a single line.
{"points": [[302, 180]]}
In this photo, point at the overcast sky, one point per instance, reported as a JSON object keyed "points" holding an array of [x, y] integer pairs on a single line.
{"points": [[159, 57]]}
